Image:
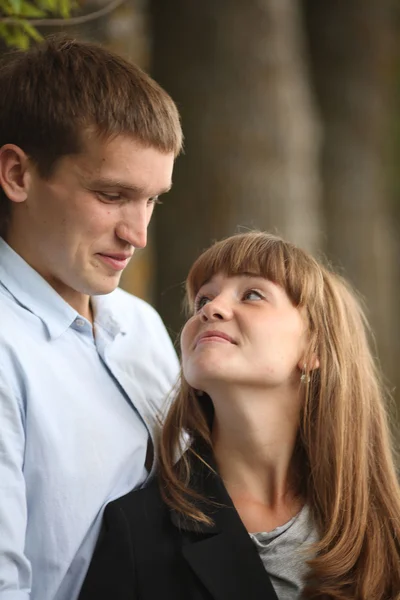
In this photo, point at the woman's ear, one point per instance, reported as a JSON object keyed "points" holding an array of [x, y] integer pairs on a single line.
{"points": [[308, 363], [14, 172], [313, 363]]}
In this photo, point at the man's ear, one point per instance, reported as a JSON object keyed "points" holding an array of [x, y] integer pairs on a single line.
{"points": [[14, 172]]}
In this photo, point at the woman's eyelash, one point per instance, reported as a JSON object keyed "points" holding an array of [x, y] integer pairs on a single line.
{"points": [[257, 292], [198, 303]]}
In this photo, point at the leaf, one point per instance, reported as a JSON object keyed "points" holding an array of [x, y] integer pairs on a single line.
{"points": [[14, 36], [31, 31], [48, 5], [15, 6], [3, 31], [64, 8], [21, 40], [21, 33], [7, 10], [30, 10]]}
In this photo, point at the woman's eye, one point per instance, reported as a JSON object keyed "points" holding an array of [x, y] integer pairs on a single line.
{"points": [[253, 295], [200, 302]]}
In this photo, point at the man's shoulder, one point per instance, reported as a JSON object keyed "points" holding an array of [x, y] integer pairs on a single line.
{"points": [[14, 335], [12, 317]]}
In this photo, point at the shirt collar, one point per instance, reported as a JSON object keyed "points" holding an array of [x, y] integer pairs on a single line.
{"points": [[105, 316], [34, 293]]}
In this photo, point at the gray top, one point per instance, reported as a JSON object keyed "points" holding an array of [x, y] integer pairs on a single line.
{"points": [[281, 551]]}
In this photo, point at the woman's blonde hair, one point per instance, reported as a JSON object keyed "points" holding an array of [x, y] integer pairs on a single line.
{"points": [[348, 475]]}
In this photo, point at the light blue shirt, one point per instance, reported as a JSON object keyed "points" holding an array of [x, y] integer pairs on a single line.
{"points": [[76, 410]]}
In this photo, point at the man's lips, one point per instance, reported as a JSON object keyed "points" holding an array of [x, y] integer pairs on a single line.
{"points": [[117, 261], [214, 336]]}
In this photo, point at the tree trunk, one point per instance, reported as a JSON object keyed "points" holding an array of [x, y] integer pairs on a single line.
{"points": [[126, 33], [238, 73], [353, 51]]}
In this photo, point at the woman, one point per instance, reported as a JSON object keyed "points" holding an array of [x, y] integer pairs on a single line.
{"points": [[286, 485]]}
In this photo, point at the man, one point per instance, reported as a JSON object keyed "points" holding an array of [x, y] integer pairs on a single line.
{"points": [[87, 145]]}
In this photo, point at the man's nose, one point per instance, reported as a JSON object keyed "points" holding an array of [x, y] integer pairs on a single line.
{"points": [[133, 227]]}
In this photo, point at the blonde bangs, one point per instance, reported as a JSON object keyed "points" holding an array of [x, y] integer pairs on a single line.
{"points": [[260, 254]]}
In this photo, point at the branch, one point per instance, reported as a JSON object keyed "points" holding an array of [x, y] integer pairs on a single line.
{"points": [[61, 22]]}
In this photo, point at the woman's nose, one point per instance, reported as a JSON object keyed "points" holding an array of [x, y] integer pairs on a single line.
{"points": [[216, 310]]}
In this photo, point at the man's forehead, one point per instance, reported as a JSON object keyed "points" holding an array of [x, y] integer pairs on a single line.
{"points": [[126, 166], [100, 151]]}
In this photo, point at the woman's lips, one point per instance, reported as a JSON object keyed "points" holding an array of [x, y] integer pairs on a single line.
{"points": [[214, 336]]}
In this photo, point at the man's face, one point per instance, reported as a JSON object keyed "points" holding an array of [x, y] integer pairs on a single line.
{"points": [[79, 228]]}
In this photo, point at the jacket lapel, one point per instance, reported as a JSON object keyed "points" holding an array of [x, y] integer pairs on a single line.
{"points": [[228, 570], [222, 556]]}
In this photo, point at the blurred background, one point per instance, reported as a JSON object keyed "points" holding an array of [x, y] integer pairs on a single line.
{"points": [[291, 117]]}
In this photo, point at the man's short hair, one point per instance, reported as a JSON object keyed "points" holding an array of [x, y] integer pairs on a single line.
{"points": [[54, 92]]}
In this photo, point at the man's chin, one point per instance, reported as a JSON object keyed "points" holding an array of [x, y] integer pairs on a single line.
{"points": [[105, 287]]}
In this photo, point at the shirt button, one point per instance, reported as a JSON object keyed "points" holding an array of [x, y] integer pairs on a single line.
{"points": [[80, 322]]}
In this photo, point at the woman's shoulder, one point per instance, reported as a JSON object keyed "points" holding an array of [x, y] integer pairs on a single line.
{"points": [[139, 506]]}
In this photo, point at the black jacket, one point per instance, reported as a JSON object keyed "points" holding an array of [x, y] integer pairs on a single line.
{"points": [[148, 552]]}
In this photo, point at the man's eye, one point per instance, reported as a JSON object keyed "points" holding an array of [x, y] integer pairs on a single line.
{"points": [[253, 295], [155, 200], [200, 302], [108, 197]]}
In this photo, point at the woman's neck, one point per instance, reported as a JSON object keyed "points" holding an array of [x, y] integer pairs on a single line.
{"points": [[254, 439]]}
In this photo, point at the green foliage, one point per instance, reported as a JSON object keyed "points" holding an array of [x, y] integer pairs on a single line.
{"points": [[20, 33]]}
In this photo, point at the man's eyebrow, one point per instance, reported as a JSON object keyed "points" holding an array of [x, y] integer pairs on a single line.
{"points": [[117, 183]]}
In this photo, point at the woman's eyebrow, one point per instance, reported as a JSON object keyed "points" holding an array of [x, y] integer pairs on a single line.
{"points": [[250, 274], [257, 276]]}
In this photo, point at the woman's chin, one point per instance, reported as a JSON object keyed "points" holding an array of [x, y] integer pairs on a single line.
{"points": [[211, 379]]}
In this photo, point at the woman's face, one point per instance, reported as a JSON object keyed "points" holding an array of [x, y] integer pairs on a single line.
{"points": [[244, 331]]}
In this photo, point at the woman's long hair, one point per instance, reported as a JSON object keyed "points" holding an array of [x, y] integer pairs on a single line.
{"points": [[348, 475]]}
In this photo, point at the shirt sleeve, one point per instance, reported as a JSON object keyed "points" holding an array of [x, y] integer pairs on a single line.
{"points": [[15, 569], [111, 572]]}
